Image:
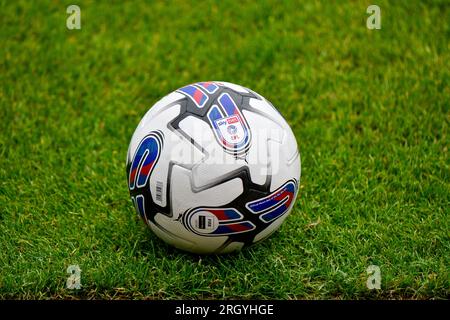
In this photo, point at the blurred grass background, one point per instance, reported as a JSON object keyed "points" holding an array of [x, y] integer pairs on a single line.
{"points": [[370, 110]]}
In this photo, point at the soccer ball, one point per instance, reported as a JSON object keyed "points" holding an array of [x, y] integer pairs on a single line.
{"points": [[213, 167]]}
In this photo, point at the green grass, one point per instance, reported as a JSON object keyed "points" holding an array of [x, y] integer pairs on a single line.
{"points": [[370, 110]]}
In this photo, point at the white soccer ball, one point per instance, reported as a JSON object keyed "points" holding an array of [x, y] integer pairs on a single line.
{"points": [[213, 167]]}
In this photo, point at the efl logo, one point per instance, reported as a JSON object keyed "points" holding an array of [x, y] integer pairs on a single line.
{"points": [[230, 128]]}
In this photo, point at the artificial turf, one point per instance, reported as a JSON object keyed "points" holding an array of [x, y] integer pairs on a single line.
{"points": [[369, 108]]}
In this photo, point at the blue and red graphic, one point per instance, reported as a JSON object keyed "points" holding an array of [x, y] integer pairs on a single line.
{"points": [[225, 215], [233, 228], [230, 127], [210, 87], [216, 221], [276, 204], [144, 160], [197, 96]]}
